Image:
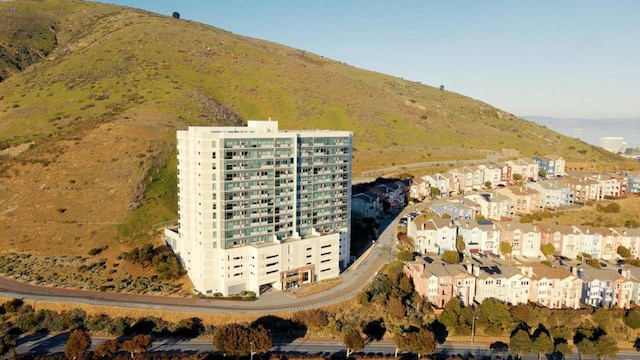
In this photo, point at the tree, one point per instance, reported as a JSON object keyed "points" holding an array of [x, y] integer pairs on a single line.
{"points": [[8, 343], [632, 319], [548, 249], [353, 340], [520, 342], [422, 342], [495, 315], [564, 349], [395, 308], [542, 344], [261, 340], [77, 345], [176, 15], [460, 243], [624, 252], [435, 192], [441, 87], [593, 263], [451, 257], [405, 256], [238, 340], [516, 177], [401, 343], [505, 248], [139, 344], [314, 319], [605, 346], [107, 349], [488, 184], [520, 312], [585, 347]]}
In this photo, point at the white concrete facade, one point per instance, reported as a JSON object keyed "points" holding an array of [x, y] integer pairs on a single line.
{"points": [[261, 208]]}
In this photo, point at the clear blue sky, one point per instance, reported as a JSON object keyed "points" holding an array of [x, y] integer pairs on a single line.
{"points": [[557, 58]]}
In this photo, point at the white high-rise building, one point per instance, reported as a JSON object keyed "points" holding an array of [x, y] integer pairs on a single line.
{"points": [[261, 208], [616, 145]]}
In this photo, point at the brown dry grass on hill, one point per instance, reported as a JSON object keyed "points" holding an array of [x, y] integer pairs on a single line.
{"points": [[588, 215]]}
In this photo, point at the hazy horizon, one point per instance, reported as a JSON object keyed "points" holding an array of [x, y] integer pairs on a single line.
{"points": [[591, 130]]}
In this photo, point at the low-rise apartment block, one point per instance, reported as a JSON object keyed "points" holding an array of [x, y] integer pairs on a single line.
{"points": [[439, 283], [432, 236], [524, 238], [555, 288], [503, 282]]}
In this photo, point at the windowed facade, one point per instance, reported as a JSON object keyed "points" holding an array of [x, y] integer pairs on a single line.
{"points": [[251, 190]]}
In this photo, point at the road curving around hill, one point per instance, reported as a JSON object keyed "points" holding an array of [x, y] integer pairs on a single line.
{"points": [[352, 281]]}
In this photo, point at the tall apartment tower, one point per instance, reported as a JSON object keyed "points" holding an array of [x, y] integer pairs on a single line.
{"points": [[261, 208]]}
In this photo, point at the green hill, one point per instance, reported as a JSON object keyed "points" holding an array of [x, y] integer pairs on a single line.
{"points": [[92, 94]]}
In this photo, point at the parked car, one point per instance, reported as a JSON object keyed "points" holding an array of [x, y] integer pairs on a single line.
{"points": [[499, 346]]}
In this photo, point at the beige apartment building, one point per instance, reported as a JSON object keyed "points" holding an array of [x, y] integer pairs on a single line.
{"points": [[554, 288], [262, 208]]}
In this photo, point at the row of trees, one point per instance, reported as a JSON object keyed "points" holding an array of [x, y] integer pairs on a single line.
{"points": [[79, 342], [18, 317]]}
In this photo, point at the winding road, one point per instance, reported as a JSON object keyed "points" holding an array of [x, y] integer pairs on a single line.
{"points": [[352, 281]]}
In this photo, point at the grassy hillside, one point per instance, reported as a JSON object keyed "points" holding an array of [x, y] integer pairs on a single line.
{"points": [[91, 117]]}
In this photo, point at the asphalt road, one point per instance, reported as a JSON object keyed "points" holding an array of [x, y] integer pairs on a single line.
{"points": [[353, 280], [41, 344]]}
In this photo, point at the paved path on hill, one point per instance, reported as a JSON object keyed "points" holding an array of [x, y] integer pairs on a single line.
{"points": [[353, 280], [373, 174]]}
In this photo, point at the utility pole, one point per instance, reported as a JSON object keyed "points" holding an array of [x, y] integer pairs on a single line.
{"points": [[473, 329]]}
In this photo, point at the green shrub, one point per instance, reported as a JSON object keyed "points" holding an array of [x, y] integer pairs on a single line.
{"points": [[609, 208], [405, 256], [594, 263], [632, 319], [451, 257]]}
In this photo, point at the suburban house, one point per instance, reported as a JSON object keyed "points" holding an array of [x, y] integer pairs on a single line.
{"points": [[366, 204], [463, 179], [433, 236], [583, 188], [554, 288], [503, 282], [598, 242], [439, 283], [492, 173], [611, 186], [394, 193], [492, 205], [552, 194], [630, 239], [418, 189], [479, 236], [564, 238], [552, 165], [527, 168], [454, 208], [607, 288], [505, 173], [524, 238], [633, 182], [525, 200]]}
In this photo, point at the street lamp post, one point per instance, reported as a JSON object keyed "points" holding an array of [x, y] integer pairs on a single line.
{"points": [[251, 349], [473, 328]]}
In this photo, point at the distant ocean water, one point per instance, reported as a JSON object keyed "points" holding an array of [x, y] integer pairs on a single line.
{"points": [[591, 131]]}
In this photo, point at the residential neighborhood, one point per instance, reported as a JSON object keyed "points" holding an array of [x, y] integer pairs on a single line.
{"points": [[476, 211]]}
